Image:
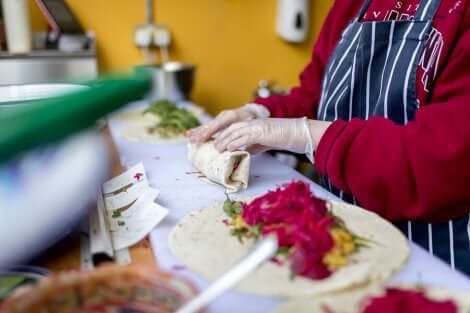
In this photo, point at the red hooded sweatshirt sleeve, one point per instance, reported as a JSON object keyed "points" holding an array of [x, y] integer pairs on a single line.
{"points": [[420, 171]]}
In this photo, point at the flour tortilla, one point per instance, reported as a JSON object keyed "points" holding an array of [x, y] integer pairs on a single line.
{"points": [[219, 167], [353, 301], [202, 242], [137, 124]]}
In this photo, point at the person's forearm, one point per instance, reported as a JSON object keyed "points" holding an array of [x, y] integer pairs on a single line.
{"points": [[419, 171]]}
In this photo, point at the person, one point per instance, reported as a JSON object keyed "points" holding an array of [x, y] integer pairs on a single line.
{"points": [[383, 110]]}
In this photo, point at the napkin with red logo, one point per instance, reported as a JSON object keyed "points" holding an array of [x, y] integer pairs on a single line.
{"points": [[130, 210]]}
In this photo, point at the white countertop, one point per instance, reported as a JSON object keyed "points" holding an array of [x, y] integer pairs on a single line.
{"points": [[167, 169]]}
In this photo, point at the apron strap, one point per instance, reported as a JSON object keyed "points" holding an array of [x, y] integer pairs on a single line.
{"points": [[363, 10], [427, 10]]}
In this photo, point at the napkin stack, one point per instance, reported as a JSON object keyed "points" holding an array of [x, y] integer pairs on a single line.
{"points": [[126, 213]]}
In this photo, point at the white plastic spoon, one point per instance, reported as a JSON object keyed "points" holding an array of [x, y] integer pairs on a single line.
{"points": [[261, 253]]}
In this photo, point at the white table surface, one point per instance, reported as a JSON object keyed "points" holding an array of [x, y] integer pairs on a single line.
{"points": [[167, 169]]}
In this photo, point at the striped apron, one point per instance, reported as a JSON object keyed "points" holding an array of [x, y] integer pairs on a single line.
{"points": [[372, 72]]}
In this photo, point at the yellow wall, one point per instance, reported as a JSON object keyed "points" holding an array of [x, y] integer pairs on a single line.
{"points": [[232, 42]]}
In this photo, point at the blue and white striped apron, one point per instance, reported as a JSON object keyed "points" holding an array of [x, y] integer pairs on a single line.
{"points": [[372, 72]]}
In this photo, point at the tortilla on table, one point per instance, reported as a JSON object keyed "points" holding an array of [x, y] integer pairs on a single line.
{"points": [[138, 125], [353, 301], [230, 169], [203, 243]]}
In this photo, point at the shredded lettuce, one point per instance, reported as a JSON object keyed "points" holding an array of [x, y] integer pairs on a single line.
{"points": [[173, 121]]}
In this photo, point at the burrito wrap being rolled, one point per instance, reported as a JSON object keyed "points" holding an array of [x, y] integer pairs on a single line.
{"points": [[230, 169]]}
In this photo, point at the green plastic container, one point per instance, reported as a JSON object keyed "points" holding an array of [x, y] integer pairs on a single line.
{"points": [[27, 124]]}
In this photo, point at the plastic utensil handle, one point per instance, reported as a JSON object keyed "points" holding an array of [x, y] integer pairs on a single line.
{"points": [[262, 252]]}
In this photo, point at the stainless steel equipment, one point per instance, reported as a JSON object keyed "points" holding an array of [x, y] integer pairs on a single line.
{"points": [[40, 66], [46, 67], [171, 80]]}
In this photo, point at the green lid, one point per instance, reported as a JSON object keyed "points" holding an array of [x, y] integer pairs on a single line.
{"points": [[38, 122]]}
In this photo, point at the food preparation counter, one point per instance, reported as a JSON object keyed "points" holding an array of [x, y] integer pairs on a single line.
{"points": [[182, 192]]}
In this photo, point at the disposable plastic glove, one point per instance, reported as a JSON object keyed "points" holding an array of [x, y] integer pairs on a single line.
{"points": [[226, 118], [296, 135]]}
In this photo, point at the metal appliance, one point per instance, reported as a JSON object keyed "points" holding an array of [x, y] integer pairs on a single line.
{"points": [[171, 80], [40, 66], [65, 52]]}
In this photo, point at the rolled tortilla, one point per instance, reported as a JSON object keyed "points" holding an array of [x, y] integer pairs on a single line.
{"points": [[230, 169]]}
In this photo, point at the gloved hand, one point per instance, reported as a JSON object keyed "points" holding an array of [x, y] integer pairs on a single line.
{"points": [[226, 118], [296, 135]]}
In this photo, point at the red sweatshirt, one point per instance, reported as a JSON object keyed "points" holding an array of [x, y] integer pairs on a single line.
{"points": [[420, 171]]}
